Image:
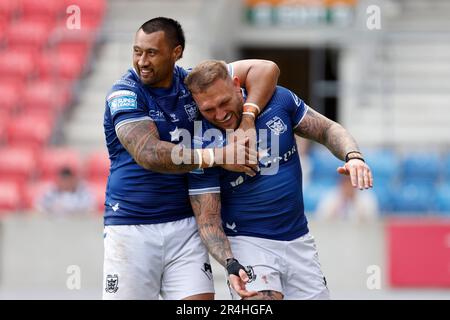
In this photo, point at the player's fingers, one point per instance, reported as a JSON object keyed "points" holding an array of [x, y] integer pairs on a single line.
{"points": [[248, 170], [366, 178], [244, 276], [360, 174], [370, 178], [353, 177], [342, 170]]}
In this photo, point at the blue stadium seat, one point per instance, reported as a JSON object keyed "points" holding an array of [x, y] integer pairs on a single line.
{"points": [[443, 199], [313, 193], [384, 165], [422, 168], [324, 165], [414, 198], [384, 194], [446, 167]]}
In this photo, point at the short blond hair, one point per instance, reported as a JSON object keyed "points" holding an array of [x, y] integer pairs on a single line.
{"points": [[205, 74]]}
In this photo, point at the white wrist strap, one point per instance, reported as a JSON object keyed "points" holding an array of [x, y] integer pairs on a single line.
{"points": [[253, 105], [249, 114]]}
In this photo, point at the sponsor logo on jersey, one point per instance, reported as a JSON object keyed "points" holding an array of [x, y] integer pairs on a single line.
{"points": [[207, 270], [122, 100], [191, 110], [156, 115], [112, 283], [276, 125]]}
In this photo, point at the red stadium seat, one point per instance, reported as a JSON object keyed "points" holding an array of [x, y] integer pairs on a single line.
{"points": [[16, 66], [43, 95], [33, 192], [17, 165], [29, 131], [59, 67], [8, 8], [10, 199], [10, 98], [53, 159], [92, 9], [97, 167], [49, 8], [28, 35]]}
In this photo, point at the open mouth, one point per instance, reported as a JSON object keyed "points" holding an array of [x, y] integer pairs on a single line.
{"points": [[228, 117]]}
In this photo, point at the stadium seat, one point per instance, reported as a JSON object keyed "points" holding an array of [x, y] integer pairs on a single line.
{"points": [[414, 198], [92, 9], [29, 131], [324, 165], [27, 36], [33, 191], [384, 165], [49, 8], [59, 67], [17, 165], [10, 199], [97, 167], [420, 167], [384, 194], [446, 167], [53, 159], [10, 99], [8, 8], [312, 194], [443, 199], [43, 95], [16, 66]]}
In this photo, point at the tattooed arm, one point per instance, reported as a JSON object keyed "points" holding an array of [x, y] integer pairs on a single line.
{"points": [[141, 140], [332, 135], [207, 213]]}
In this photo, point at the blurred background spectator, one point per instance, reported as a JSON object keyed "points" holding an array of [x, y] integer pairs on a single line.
{"points": [[68, 196], [347, 203]]}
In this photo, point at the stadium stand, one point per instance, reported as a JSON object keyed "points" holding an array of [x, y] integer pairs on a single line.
{"points": [[42, 62]]}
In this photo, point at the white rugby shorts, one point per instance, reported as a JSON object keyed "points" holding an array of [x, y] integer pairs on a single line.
{"points": [[153, 260], [289, 267]]}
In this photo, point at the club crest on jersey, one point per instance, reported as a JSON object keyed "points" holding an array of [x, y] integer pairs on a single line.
{"points": [[112, 283], [277, 126], [191, 110]]}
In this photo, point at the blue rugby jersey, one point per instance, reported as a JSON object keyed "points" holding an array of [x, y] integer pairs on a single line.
{"points": [[269, 205], [135, 195]]}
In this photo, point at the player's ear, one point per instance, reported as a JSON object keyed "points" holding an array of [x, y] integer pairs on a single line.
{"points": [[236, 83], [177, 52]]}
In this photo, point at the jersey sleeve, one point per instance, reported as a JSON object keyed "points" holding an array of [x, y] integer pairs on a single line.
{"points": [[203, 181], [126, 104], [295, 106]]}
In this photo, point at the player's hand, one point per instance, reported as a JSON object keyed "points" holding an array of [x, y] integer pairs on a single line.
{"points": [[359, 172], [238, 277], [248, 128], [238, 284], [237, 156]]}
